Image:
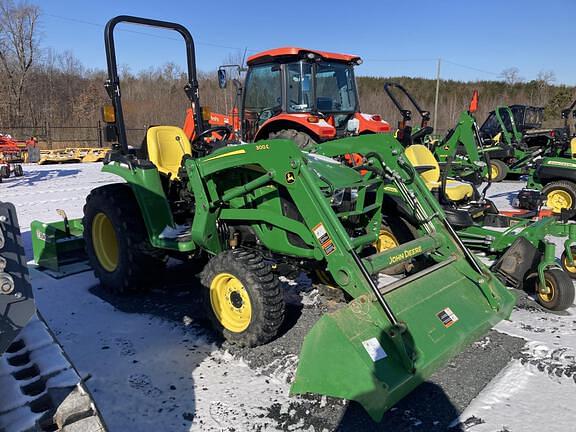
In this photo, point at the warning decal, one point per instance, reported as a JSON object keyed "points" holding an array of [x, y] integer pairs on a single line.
{"points": [[447, 317], [323, 238], [374, 349]]}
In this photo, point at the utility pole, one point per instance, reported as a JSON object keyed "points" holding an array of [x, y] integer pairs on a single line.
{"points": [[437, 92]]}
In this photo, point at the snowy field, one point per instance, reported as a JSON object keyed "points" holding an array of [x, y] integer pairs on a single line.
{"points": [[154, 365]]}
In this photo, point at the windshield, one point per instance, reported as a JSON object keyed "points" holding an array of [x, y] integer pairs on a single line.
{"points": [[263, 92], [326, 87]]}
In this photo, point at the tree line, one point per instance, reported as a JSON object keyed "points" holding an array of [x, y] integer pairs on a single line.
{"points": [[40, 87]]}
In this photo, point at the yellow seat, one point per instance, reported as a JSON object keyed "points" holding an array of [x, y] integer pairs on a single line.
{"points": [[421, 157], [573, 148], [166, 146]]}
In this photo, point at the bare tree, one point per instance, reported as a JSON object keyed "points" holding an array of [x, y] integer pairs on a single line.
{"points": [[18, 47], [511, 76], [546, 77]]}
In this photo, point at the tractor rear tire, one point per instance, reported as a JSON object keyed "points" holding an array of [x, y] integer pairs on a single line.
{"points": [[561, 287], [117, 242], [498, 169], [561, 195], [18, 171], [243, 297], [4, 171], [302, 139]]}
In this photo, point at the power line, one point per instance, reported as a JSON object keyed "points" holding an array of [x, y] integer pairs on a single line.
{"points": [[471, 68], [147, 34]]}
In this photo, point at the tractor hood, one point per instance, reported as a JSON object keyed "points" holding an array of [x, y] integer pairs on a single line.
{"points": [[332, 173]]}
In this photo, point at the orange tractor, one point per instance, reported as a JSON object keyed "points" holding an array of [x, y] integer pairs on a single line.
{"points": [[305, 95], [12, 155]]}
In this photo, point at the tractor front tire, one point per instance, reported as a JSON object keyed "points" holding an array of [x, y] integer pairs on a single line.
{"points": [[302, 139], [18, 171], [4, 171], [117, 243], [561, 290], [498, 170], [561, 196], [243, 297]]}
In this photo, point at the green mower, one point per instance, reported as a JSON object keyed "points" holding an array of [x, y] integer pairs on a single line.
{"points": [[457, 153], [553, 173], [250, 207], [515, 241], [514, 137]]}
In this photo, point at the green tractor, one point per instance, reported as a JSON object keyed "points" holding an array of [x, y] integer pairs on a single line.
{"points": [[514, 137], [522, 255], [249, 208], [457, 153], [553, 173]]}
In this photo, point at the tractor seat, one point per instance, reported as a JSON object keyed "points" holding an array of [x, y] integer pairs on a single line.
{"points": [[426, 164], [166, 146]]}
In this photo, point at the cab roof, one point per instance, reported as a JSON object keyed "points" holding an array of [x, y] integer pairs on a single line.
{"points": [[273, 54]]}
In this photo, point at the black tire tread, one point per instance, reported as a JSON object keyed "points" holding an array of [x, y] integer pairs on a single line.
{"points": [[502, 170], [566, 185], [141, 264], [302, 139], [564, 290], [263, 287]]}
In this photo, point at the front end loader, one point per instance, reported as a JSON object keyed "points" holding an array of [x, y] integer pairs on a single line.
{"points": [[248, 208]]}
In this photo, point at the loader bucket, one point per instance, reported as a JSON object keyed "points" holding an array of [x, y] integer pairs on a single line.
{"points": [[59, 247], [355, 353]]}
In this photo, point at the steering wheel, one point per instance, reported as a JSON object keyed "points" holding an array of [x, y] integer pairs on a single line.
{"points": [[225, 131]]}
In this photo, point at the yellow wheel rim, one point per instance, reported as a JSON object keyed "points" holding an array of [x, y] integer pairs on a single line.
{"points": [[567, 266], [386, 240], [230, 302], [494, 171], [105, 242], [549, 296], [558, 200]]}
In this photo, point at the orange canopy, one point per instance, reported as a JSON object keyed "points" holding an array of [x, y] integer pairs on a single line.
{"points": [[296, 52]]}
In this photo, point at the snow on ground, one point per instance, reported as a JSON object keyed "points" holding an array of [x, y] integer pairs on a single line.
{"points": [[153, 366], [537, 391]]}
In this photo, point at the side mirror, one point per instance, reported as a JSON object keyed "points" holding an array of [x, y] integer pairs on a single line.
{"points": [[222, 80]]}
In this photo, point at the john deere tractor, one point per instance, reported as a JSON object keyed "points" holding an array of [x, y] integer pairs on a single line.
{"points": [[553, 173], [307, 96], [523, 256], [514, 137], [250, 207]]}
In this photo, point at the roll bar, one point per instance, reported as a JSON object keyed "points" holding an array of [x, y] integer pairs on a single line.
{"points": [[406, 114], [112, 84]]}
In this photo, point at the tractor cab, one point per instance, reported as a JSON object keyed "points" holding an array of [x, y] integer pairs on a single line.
{"points": [[305, 95], [516, 125]]}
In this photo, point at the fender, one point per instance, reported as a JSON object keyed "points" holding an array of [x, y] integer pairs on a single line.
{"points": [[371, 123], [318, 127]]}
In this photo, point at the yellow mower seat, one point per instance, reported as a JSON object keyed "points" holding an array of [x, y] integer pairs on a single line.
{"points": [[421, 157], [166, 146]]}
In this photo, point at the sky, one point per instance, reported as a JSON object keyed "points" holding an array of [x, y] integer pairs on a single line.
{"points": [[475, 40]]}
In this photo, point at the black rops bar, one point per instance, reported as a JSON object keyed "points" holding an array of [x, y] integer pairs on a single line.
{"points": [[113, 83]]}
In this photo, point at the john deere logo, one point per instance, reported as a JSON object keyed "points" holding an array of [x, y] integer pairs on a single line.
{"points": [[290, 177]]}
